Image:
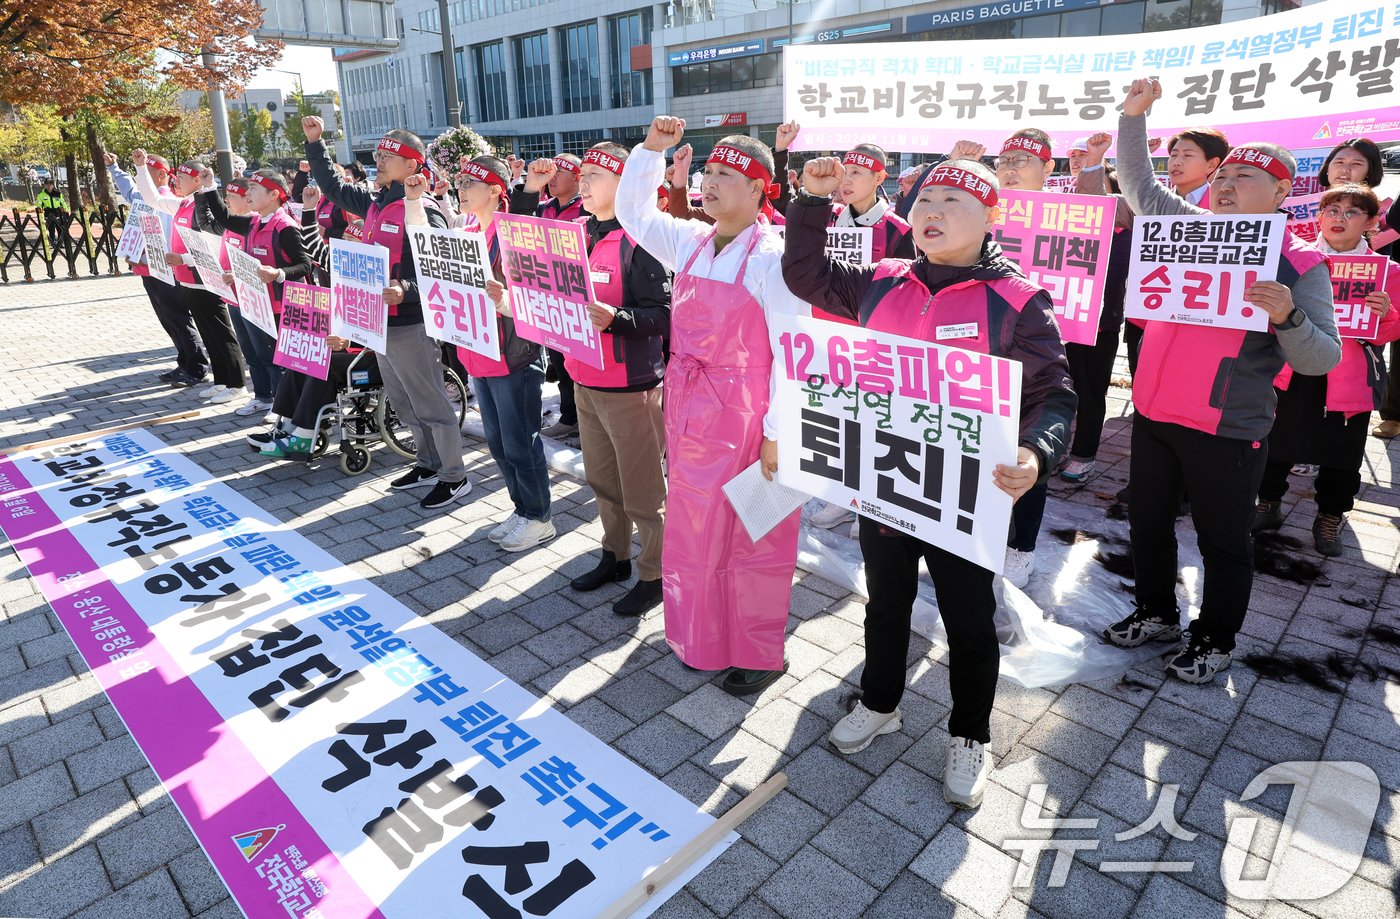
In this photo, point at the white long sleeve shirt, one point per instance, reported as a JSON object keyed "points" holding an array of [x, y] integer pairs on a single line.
{"points": [[672, 241]]}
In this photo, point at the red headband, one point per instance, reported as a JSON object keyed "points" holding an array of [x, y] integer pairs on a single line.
{"points": [[482, 174], [1028, 144], [158, 162], [187, 170], [270, 185], [1248, 156], [606, 160], [389, 145], [568, 165], [735, 158], [970, 182], [239, 187], [856, 158]]}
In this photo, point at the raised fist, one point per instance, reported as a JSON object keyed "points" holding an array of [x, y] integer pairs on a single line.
{"points": [[665, 132]]}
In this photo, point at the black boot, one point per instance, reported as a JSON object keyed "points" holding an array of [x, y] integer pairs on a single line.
{"points": [[609, 569], [643, 596], [742, 682]]}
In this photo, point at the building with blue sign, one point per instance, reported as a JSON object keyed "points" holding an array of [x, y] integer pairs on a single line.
{"points": [[542, 76]]}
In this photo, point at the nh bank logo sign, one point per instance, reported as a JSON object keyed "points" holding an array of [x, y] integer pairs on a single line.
{"points": [[1319, 845]]}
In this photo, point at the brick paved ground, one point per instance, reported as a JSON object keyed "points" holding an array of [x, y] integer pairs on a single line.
{"points": [[86, 830]]}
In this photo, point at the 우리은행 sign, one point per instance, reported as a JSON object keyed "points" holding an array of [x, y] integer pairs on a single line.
{"points": [[903, 431], [1195, 268], [453, 268], [302, 333], [1062, 242], [550, 284], [335, 754], [359, 274]]}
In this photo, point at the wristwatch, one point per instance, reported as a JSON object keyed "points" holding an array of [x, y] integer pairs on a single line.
{"points": [[1294, 320]]}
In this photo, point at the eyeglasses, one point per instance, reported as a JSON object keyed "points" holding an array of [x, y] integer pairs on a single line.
{"points": [[1336, 213], [1019, 161]]}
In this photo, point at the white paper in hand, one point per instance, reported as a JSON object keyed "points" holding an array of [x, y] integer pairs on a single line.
{"points": [[761, 504]]}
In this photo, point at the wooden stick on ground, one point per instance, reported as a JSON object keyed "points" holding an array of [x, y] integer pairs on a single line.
{"points": [[115, 429], [670, 869]]}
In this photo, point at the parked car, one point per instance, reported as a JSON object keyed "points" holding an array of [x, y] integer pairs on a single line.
{"points": [[1390, 157]]}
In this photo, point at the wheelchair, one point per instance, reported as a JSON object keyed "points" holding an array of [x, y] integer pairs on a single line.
{"points": [[362, 415]]}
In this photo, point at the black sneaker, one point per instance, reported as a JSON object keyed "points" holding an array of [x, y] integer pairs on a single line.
{"points": [[170, 375], [444, 493], [259, 439], [417, 477], [1140, 627], [1268, 515], [609, 569], [1200, 661], [644, 596], [740, 681], [1327, 534], [186, 380]]}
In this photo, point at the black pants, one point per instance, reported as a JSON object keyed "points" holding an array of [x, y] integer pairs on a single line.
{"points": [[1338, 482], [1132, 336], [210, 316], [1222, 476], [965, 601], [453, 361], [1026, 516], [1091, 369], [301, 397], [1390, 406], [174, 318], [568, 409]]}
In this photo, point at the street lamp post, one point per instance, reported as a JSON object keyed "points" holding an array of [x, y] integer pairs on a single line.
{"points": [[449, 67]]}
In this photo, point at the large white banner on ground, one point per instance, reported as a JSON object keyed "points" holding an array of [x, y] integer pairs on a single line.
{"points": [[900, 430], [335, 755], [1299, 78]]}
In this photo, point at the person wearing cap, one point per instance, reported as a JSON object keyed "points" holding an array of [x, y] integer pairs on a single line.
{"points": [[208, 311], [55, 208], [411, 362], [1205, 404], [726, 597], [1077, 155], [960, 276], [621, 426], [191, 365], [907, 180], [269, 234]]}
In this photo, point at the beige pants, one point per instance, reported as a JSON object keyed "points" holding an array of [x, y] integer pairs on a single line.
{"points": [[622, 435]]}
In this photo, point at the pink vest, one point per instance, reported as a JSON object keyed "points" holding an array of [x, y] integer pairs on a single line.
{"points": [[605, 261], [261, 244], [907, 309], [1216, 380], [551, 210], [384, 227], [184, 217], [323, 215], [476, 364], [1349, 383], [888, 231]]}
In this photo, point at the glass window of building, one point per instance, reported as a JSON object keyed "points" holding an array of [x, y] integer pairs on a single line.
{"points": [[578, 142], [1164, 15], [491, 82], [578, 59], [724, 76], [459, 63], [1122, 19], [532, 75], [534, 146], [629, 87]]}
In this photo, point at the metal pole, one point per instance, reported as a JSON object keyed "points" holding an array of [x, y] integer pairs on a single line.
{"points": [[449, 67], [223, 144]]}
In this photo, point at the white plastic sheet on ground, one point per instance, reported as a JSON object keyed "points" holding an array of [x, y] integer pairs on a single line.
{"points": [[1050, 632]]}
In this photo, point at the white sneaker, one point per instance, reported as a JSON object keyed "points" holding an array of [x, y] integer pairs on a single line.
{"points": [[855, 732], [965, 772], [528, 534], [210, 392], [830, 516], [272, 417], [227, 394], [1019, 567], [251, 407], [1304, 470], [1077, 470], [503, 529]]}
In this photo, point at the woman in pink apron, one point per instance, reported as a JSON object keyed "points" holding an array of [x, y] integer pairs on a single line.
{"points": [[726, 597]]}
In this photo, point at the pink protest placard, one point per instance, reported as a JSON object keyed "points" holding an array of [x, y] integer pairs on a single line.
{"points": [[453, 267], [1353, 278], [359, 274], [1194, 268], [550, 284], [1061, 241], [1302, 215], [301, 338]]}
